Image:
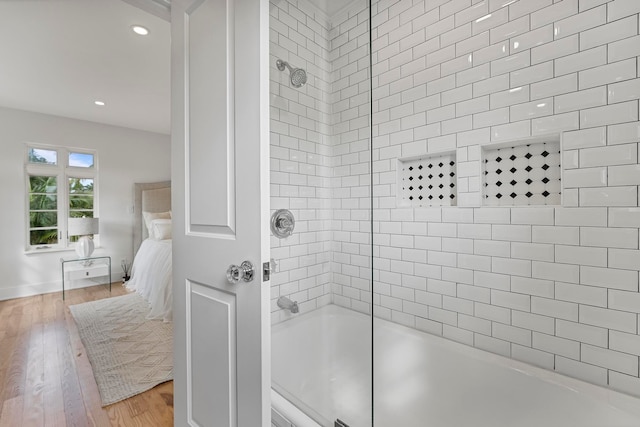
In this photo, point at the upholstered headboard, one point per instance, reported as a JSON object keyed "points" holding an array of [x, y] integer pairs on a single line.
{"points": [[148, 197]]}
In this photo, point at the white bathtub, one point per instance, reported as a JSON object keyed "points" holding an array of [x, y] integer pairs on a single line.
{"points": [[321, 361]]}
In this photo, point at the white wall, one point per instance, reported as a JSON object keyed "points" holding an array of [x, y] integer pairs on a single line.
{"points": [[553, 286], [125, 156]]}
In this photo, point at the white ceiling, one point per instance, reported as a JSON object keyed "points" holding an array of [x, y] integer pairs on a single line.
{"points": [[59, 56]]}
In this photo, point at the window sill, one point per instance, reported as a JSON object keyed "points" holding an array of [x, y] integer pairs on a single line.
{"points": [[51, 250]]}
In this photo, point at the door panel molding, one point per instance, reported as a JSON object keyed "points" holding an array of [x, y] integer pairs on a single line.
{"points": [[210, 149], [211, 364]]}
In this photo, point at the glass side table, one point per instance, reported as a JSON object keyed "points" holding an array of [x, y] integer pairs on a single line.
{"points": [[85, 268]]}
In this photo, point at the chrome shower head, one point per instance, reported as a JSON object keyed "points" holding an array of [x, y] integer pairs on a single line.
{"points": [[298, 75]]}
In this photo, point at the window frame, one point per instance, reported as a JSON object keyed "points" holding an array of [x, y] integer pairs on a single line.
{"points": [[63, 172]]}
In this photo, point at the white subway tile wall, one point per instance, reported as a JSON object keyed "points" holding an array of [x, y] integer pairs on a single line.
{"points": [[301, 153], [555, 286], [406, 106]]}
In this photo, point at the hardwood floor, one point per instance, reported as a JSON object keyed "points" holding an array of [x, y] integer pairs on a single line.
{"points": [[45, 375]]}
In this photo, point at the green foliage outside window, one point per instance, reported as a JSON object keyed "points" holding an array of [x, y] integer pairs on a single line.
{"points": [[80, 200], [43, 213], [80, 197]]}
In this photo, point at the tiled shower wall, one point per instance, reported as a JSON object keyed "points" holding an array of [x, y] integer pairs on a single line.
{"points": [[351, 156], [320, 155], [553, 286], [301, 155]]}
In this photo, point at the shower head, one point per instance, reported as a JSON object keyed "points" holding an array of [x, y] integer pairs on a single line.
{"points": [[298, 75]]}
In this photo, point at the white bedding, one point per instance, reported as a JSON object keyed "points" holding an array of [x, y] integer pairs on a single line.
{"points": [[151, 277]]}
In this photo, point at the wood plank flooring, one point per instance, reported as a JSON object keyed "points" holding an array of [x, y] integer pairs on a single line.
{"points": [[45, 375]]}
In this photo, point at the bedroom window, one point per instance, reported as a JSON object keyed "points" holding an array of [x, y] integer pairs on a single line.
{"points": [[43, 210], [61, 183]]}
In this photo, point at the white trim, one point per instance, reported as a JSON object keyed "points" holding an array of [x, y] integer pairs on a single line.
{"points": [[28, 290], [46, 250], [63, 172]]}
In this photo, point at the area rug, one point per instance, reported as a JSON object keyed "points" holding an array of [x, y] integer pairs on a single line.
{"points": [[129, 354]]}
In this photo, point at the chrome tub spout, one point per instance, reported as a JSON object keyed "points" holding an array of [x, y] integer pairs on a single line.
{"points": [[287, 304]]}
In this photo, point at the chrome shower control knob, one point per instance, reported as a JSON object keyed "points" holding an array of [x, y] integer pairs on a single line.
{"points": [[282, 223], [245, 272], [285, 224]]}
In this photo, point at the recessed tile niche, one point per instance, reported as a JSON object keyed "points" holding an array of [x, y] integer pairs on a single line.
{"points": [[427, 181], [522, 173]]}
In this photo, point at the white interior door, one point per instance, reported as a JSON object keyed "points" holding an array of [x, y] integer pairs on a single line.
{"points": [[220, 186]]}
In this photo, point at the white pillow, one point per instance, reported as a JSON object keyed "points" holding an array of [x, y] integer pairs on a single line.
{"points": [[161, 229], [150, 216]]}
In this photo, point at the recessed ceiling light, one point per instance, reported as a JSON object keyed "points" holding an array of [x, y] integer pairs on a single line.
{"points": [[100, 103], [140, 30]]}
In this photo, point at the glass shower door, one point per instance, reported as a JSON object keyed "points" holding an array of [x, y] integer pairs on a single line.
{"points": [[320, 172]]}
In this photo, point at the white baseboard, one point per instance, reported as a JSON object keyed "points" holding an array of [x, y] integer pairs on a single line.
{"points": [[28, 290]]}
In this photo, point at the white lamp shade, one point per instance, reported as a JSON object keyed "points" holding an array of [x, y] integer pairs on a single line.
{"points": [[83, 226]]}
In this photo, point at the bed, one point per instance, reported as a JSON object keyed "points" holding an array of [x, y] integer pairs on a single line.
{"points": [[151, 272]]}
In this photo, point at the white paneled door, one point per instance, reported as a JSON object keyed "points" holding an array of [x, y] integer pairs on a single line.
{"points": [[220, 175]]}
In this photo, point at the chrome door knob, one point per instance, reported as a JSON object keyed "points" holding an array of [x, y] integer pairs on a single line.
{"points": [[245, 272]]}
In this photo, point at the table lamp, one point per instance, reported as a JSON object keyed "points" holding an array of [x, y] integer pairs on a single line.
{"points": [[85, 228]]}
